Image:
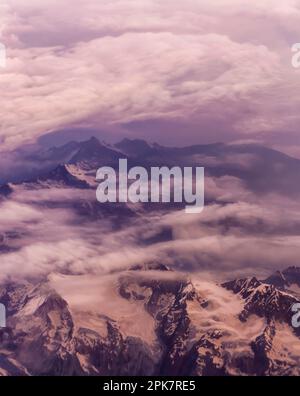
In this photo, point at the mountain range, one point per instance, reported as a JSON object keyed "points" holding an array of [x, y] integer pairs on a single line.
{"points": [[262, 169], [150, 320]]}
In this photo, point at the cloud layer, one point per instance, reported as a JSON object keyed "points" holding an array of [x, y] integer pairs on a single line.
{"points": [[45, 234], [220, 69]]}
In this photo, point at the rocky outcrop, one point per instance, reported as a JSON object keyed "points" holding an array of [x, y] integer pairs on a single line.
{"points": [[43, 336]]}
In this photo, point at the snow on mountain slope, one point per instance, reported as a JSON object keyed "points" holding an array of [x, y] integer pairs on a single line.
{"points": [[96, 298], [222, 312], [262, 299], [67, 175]]}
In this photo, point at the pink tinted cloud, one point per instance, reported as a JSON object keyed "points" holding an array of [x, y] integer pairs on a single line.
{"points": [[116, 62]]}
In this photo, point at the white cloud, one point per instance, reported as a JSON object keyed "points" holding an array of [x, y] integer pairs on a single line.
{"points": [[111, 62]]}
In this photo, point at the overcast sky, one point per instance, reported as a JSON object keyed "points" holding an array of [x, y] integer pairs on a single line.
{"points": [[173, 71]]}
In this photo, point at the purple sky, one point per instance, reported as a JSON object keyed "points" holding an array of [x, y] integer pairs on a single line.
{"points": [[173, 71]]}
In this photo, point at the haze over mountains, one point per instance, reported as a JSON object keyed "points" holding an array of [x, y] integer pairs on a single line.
{"points": [[251, 195], [262, 169]]}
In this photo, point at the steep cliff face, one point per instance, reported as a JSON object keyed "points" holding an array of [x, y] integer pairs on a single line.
{"points": [[148, 320]]}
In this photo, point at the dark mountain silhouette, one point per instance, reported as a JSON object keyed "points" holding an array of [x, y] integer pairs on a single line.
{"points": [[261, 169]]}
